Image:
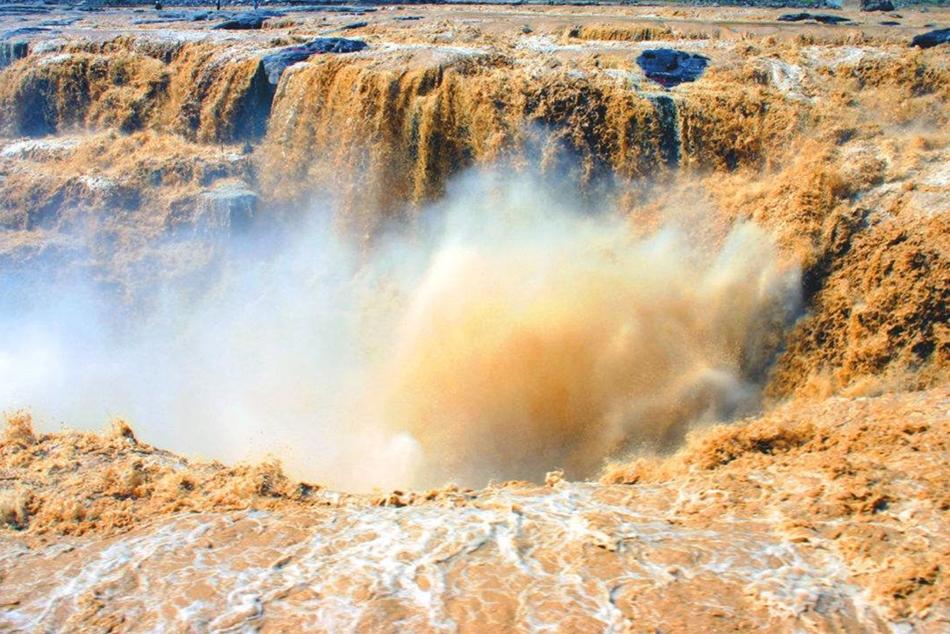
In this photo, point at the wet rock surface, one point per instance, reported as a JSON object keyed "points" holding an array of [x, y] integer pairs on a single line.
{"points": [[877, 5], [823, 18], [59, 22], [669, 67], [22, 32], [244, 22], [276, 63], [177, 16], [931, 38], [25, 9]]}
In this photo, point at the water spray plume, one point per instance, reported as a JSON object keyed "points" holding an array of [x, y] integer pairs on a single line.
{"points": [[506, 335], [538, 337]]}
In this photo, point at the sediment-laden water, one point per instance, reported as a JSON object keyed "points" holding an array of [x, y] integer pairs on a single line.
{"points": [[471, 245]]}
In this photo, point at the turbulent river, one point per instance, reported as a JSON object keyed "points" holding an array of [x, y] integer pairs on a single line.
{"points": [[352, 282]]}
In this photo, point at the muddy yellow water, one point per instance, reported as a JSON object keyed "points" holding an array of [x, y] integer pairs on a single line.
{"points": [[822, 517], [530, 257]]}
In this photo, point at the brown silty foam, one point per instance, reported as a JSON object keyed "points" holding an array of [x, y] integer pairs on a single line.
{"points": [[819, 515]]}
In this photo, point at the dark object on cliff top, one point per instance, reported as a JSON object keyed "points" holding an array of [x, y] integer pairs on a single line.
{"points": [[931, 38], [276, 63], [817, 17], [890, 23], [242, 22], [669, 67], [353, 25], [877, 5], [249, 21]]}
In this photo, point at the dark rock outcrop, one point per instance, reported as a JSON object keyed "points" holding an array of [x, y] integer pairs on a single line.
{"points": [[23, 31], [877, 5], [824, 18], [251, 112], [931, 38], [249, 21], [276, 63], [669, 67], [331, 8]]}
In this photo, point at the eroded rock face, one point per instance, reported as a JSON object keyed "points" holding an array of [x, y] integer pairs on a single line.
{"points": [[669, 67], [276, 63]]}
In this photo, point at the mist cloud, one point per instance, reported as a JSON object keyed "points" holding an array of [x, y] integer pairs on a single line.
{"points": [[504, 334]]}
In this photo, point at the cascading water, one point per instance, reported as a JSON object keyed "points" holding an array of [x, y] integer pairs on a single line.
{"points": [[459, 246]]}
